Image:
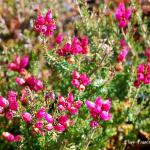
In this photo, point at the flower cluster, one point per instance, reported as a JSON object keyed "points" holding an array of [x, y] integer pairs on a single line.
{"points": [[143, 74], [123, 15], [123, 52], [63, 122], [75, 47], [31, 81], [99, 110], [45, 24], [11, 138], [143, 71], [68, 104], [42, 122], [80, 80], [9, 106], [19, 64], [45, 122], [24, 97]]}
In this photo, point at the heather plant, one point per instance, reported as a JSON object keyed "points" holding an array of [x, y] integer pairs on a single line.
{"points": [[85, 87]]}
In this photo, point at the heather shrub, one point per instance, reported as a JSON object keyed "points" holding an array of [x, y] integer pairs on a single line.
{"points": [[76, 77]]}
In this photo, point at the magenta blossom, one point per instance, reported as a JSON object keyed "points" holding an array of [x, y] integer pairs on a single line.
{"points": [[93, 124], [123, 15], [49, 118], [3, 102], [143, 75], [122, 54], [59, 128], [27, 117], [19, 64], [39, 124], [59, 38], [12, 98], [34, 83], [75, 47], [18, 138], [8, 137], [45, 25], [31, 81], [99, 110], [68, 104], [80, 80], [9, 115], [49, 127], [63, 123], [41, 113], [50, 95]]}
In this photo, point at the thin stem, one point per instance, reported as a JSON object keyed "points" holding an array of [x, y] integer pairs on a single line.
{"points": [[89, 139], [94, 70], [125, 37]]}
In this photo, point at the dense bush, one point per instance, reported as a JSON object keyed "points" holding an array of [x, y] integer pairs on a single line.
{"points": [[74, 74]]}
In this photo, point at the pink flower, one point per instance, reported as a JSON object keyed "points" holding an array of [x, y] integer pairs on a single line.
{"points": [[9, 115], [49, 118], [59, 127], [70, 98], [99, 110], [20, 81], [90, 105], [63, 119], [49, 127], [123, 15], [24, 97], [84, 79], [27, 117], [106, 105], [140, 76], [137, 83], [19, 63], [77, 104], [41, 113], [8, 136], [45, 25], [93, 124], [75, 82], [3, 102], [18, 138], [39, 124], [104, 115], [141, 68], [147, 79], [12, 98], [69, 104], [143, 75], [75, 74], [73, 110], [50, 95], [34, 84], [123, 43], [59, 38], [61, 108], [122, 54], [80, 80], [13, 105], [75, 47], [98, 101]]}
